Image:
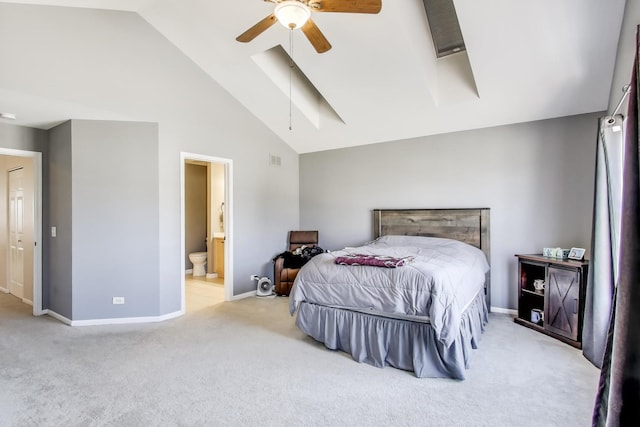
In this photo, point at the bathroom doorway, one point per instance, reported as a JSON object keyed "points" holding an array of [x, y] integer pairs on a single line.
{"points": [[206, 231]]}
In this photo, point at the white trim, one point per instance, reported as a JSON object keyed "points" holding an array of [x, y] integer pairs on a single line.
{"points": [[116, 321], [212, 275], [504, 311], [243, 296], [27, 301], [37, 222], [188, 271], [183, 306], [228, 214], [127, 320], [5, 290], [56, 316], [37, 229], [228, 250]]}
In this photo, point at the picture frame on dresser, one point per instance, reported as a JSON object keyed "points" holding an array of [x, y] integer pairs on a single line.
{"points": [[576, 254]]}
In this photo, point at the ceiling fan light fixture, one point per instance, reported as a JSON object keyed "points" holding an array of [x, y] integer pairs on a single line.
{"points": [[292, 14]]}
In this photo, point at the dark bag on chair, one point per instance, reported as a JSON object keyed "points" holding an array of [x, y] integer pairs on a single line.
{"points": [[288, 263]]}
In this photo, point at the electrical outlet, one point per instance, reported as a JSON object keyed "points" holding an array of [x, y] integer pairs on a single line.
{"points": [[118, 300], [254, 277]]}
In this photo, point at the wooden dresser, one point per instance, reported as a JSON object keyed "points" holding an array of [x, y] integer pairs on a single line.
{"points": [[561, 300]]}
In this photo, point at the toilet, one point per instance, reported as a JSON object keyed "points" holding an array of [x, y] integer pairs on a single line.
{"points": [[198, 259]]}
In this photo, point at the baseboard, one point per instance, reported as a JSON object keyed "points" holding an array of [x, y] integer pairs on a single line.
{"points": [[243, 296], [504, 311], [212, 275], [115, 321], [5, 290], [188, 271], [56, 316], [127, 320], [27, 301]]}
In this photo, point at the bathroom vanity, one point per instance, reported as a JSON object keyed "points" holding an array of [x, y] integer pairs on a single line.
{"points": [[218, 256]]}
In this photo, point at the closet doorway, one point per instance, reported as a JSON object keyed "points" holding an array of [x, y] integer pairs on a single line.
{"points": [[207, 230], [21, 236]]}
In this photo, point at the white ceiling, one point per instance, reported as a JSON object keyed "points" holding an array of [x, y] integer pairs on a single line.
{"points": [[526, 60]]}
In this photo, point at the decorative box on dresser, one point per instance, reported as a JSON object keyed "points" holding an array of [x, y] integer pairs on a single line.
{"points": [[561, 300]]}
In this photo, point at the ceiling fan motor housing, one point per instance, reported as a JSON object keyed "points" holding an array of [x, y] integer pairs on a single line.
{"points": [[292, 14]]}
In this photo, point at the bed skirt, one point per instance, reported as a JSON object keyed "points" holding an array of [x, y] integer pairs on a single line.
{"points": [[403, 344]]}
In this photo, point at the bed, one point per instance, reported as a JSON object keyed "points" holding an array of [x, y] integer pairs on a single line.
{"points": [[423, 311]]}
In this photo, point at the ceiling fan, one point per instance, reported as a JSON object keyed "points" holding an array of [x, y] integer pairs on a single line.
{"points": [[297, 14]]}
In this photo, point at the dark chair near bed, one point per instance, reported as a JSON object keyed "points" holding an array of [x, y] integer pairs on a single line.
{"points": [[284, 275]]}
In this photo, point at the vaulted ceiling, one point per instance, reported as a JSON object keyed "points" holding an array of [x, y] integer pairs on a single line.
{"points": [[381, 81]]}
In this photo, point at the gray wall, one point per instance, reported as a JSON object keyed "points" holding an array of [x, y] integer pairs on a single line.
{"points": [[103, 181], [195, 210], [115, 218], [529, 174], [626, 53], [135, 74], [23, 138], [59, 182], [536, 177]]}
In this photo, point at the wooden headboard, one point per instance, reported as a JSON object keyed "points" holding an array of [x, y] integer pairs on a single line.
{"points": [[466, 225]]}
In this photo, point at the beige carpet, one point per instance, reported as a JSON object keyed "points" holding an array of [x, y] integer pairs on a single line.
{"points": [[245, 363]]}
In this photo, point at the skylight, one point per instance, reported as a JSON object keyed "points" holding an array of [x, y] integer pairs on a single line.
{"points": [[277, 64], [445, 29]]}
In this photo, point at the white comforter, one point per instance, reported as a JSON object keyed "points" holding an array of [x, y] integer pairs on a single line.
{"points": [[438, 285]]}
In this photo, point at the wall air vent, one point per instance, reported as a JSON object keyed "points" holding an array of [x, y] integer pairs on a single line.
{"points": [[275, 160], [445, 29]]}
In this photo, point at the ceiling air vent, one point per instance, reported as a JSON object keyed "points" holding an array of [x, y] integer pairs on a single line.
{"points": [[444, 25]]}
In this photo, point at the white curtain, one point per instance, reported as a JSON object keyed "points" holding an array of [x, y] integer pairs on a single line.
{"points": [[605, 241]]}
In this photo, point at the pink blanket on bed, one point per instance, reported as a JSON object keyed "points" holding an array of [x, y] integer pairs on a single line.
{"points": [[373, 260]]}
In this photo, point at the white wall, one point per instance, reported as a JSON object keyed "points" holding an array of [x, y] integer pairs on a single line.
{"points": [[536, 177], [117, 63]]}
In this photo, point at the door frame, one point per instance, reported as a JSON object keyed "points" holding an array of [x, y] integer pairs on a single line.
{"points": [[37, 222], [228, 224]]}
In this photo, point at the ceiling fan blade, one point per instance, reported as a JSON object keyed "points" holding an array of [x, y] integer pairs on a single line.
{"points": [[315, 36], [257, 29], [349, 6]]}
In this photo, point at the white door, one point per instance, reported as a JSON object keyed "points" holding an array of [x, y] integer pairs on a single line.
{"points": [[16, 231]]}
